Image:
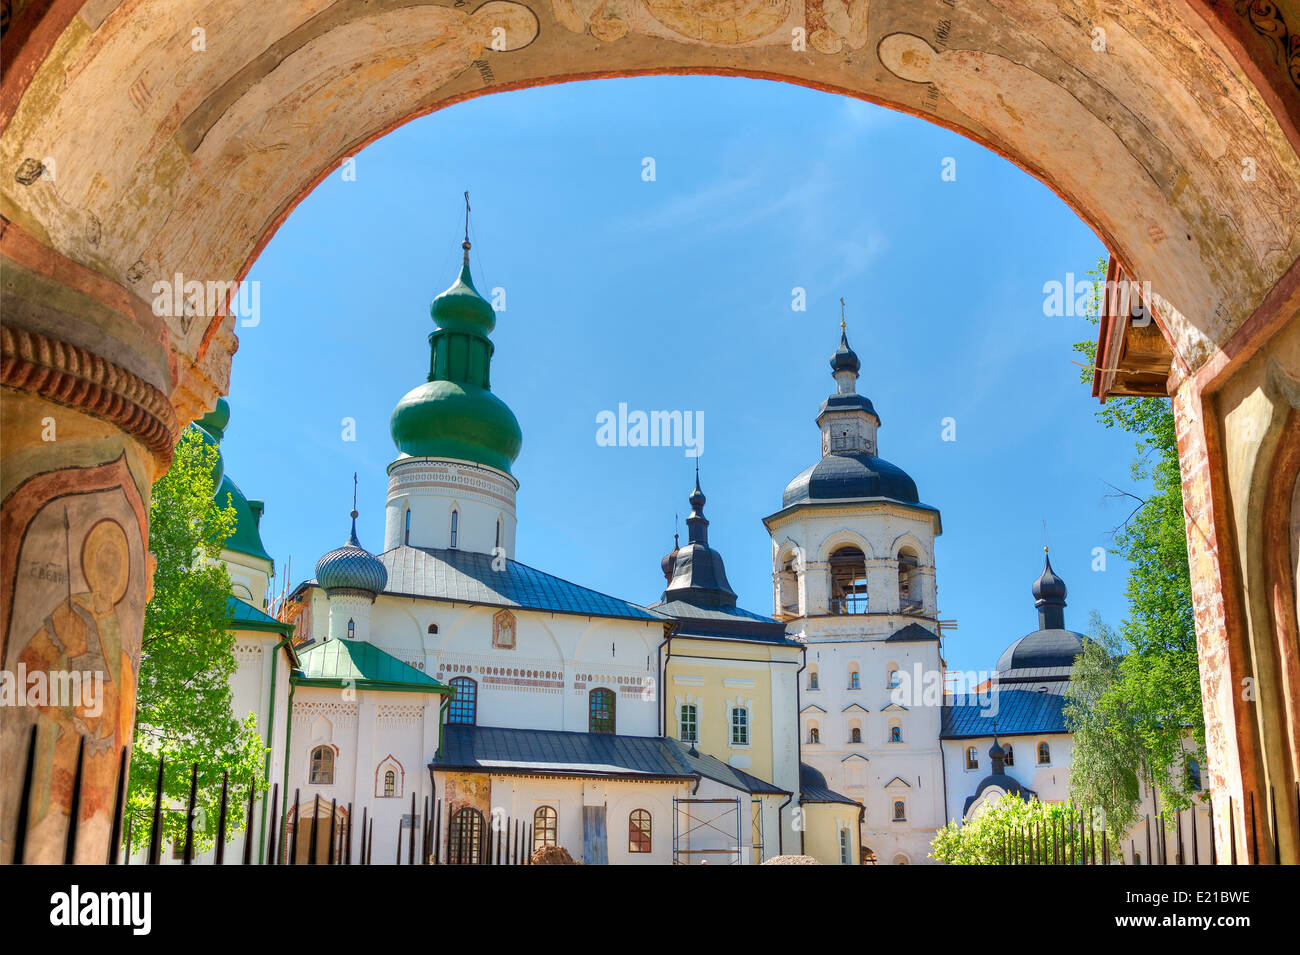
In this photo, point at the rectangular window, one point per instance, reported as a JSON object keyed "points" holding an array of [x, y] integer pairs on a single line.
{"points": [[739, 726], [689, 727], [846, 845]]}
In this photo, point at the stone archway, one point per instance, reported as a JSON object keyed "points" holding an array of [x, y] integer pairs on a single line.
{"points": [[145, 146]]}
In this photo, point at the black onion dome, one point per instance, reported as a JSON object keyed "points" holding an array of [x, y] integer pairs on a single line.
{"points": [[352, 567], [670, 559], [996, 751], [845, 358], [1048, 587], [850, 474]]}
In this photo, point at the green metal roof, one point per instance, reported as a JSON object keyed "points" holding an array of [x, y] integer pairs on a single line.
{"points": [[246, 539], [363, 665], [244, 616]]}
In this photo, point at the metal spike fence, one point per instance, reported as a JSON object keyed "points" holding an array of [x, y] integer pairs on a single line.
{"points": [[502, 842], [1077, 837]]}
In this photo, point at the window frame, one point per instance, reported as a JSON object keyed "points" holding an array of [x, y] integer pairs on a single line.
{"points": [[458, 702], [743, 726], [640, 832], [595, 723], [1044, 747], [325, 768], [546, 820], [693, 722]]}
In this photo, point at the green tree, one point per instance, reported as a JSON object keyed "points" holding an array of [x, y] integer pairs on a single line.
{"points": [[183, 703], [995, 835], [1135, 695]]}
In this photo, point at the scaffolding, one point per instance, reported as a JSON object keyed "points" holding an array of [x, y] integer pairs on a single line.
{"points": [[705, 830]]}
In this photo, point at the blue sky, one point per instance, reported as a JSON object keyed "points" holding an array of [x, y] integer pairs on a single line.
{"points": [[676, 294]]}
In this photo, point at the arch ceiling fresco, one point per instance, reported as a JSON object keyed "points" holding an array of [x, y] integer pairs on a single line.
{"points": [[165, 158], [145, 139]]}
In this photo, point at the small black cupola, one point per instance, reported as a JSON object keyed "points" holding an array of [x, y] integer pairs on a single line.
{"points": [[1049, 597]]}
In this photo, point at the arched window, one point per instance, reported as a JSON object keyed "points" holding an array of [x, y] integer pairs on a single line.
{"points": [[855, 679], [788, 587], [972, 758], [814, 734], [600, 710], [848, 581], [688, 724], [812, 679], [465, 837], [909, 591], [638, 831], [1194, 775], [1137, 857], [322, 766], [352, 628], [1044, 754], [455, 527], [390, 783], [739, 726], [900, 810], [891, 681], [1008, 757], [895, 734], [545, 827], [855, 734], [406, 534], [464, 705], [433, 628], [901, 859]]}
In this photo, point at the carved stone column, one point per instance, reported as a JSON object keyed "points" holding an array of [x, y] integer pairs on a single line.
{"points": [[87, 429]]}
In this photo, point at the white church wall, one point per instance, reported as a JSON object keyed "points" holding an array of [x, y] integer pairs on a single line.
{"points": [[431, 489]]}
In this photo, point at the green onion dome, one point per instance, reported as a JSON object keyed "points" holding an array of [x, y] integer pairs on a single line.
{"points": [[351, 567], [454, 413]]}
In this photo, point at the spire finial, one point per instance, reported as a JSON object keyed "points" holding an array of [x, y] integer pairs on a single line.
{"points": [[465, 245], [352, 539], [843, 324]]}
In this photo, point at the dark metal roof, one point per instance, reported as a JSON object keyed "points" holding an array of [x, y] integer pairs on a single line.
{"points": [[912, 633], [509, 750], [1005, 712], [850, 474], [1041, 650], [813, 788], [468, 577], [727, 622]]}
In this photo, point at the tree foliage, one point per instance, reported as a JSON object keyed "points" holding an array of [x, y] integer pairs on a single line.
{"points": [[988, 839], [184, 703], [1135, 695]]}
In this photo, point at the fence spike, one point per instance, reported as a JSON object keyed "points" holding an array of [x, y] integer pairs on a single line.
{"points": [[273, 844], [187, 855], [347, 836], [155, 847], [221, 819], [248, 823], [74, 809], [334, 809], [119, 807], [311, 845], [25, 802], [411, 837], [293, 839]]}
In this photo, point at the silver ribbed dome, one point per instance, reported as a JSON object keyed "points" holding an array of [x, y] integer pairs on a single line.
{"points": [[351, 567]]}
